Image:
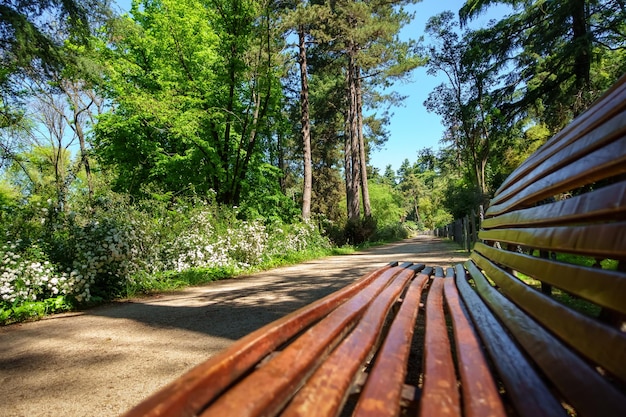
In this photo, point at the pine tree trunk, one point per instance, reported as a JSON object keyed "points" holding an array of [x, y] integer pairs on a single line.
{"points": [[354, 210], [367, 208], [306, 129], [582, 60]]}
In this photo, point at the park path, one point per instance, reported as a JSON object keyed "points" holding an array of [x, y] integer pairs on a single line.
{"points": [[104, 360]]}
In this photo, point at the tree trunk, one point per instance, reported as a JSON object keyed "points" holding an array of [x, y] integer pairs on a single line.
{"points": [[306, 128], [352, 140], [582, 60], [367, 208]]}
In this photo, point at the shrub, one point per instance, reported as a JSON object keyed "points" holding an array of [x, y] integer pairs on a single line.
{"points": [[390, 232], [111, 247]]}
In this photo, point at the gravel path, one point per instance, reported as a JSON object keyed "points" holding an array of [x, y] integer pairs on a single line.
{"points": [[104, 360]]}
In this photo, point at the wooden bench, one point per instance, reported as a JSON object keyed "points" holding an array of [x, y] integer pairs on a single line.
{"points": [[479, 339]]}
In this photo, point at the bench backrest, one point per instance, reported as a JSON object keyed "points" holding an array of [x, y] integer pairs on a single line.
{"points": [[552, 262]]}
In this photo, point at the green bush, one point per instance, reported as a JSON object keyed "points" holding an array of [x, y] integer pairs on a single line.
{"points": [[112, 248], [390, 233]]}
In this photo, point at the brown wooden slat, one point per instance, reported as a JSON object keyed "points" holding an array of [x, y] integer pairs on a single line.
{"points": [[608, 203], [588, 392], [286, 372], [604, 287], [196, 388], [440, 395], [383, 390], [480, 393], [603, 163], [605, 108], [602, 344], [597, 240], [564, 159], [525, 388], [610, 104], [325, 392]]}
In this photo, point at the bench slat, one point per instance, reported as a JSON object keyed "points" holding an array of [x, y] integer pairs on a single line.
{"points": [[605, 162], [580, 384], [525, 388], [612, 103], [440, 395], [480, 393], [325, 392], [383, 390], [285, 373], [608, 203], [605, 241], [604, 287]]}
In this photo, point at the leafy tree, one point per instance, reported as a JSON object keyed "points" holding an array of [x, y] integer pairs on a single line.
{"points": [[559, 55], [196, 88], [365, 35], [387, 205], [33, 33], [389, 176], [303, 18], [469, 109]]}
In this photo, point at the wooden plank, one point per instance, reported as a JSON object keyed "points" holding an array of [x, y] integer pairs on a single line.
{"points": [[382, 392], [585, 169], [601, 286], [596, 240], [564, 159], [600, 343], [525, 388], [580, 384], [191, 392], [605, 204], [605, 108], [440, 395], [480, 393], [326, 391], [286, 372]]}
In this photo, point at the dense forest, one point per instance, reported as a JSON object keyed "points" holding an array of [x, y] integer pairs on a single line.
{"points": [[195, 138]]}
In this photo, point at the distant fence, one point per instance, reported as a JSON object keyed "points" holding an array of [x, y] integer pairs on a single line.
{"points": [[463, 231]]}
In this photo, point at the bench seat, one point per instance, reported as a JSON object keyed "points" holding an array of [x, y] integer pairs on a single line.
{"points": [[357, 352]]}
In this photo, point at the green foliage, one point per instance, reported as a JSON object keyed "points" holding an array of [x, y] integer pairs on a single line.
{"points": [[552, 53], [390, 233], [358, 231], [461, 199], [264, 198], [387, 205], [30, 38], [196, 92]]}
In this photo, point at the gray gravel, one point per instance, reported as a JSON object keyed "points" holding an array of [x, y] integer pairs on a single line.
{"points": [[105, 360]]}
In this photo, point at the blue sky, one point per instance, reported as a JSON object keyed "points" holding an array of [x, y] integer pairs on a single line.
{"points": [[411, 126]]}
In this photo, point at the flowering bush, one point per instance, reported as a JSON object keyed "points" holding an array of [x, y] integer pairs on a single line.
{"points": [[297, 237], [102, 250], [26, 276]]}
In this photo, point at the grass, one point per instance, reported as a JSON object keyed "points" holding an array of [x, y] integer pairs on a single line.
{"points": [[34, 310], [173, 280]]}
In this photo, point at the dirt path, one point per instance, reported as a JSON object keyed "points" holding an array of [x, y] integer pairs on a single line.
{"points": [[104, 360]]}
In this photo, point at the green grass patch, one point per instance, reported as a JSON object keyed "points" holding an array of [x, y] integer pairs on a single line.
{"points": [[173, 280], [34, 310]]}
